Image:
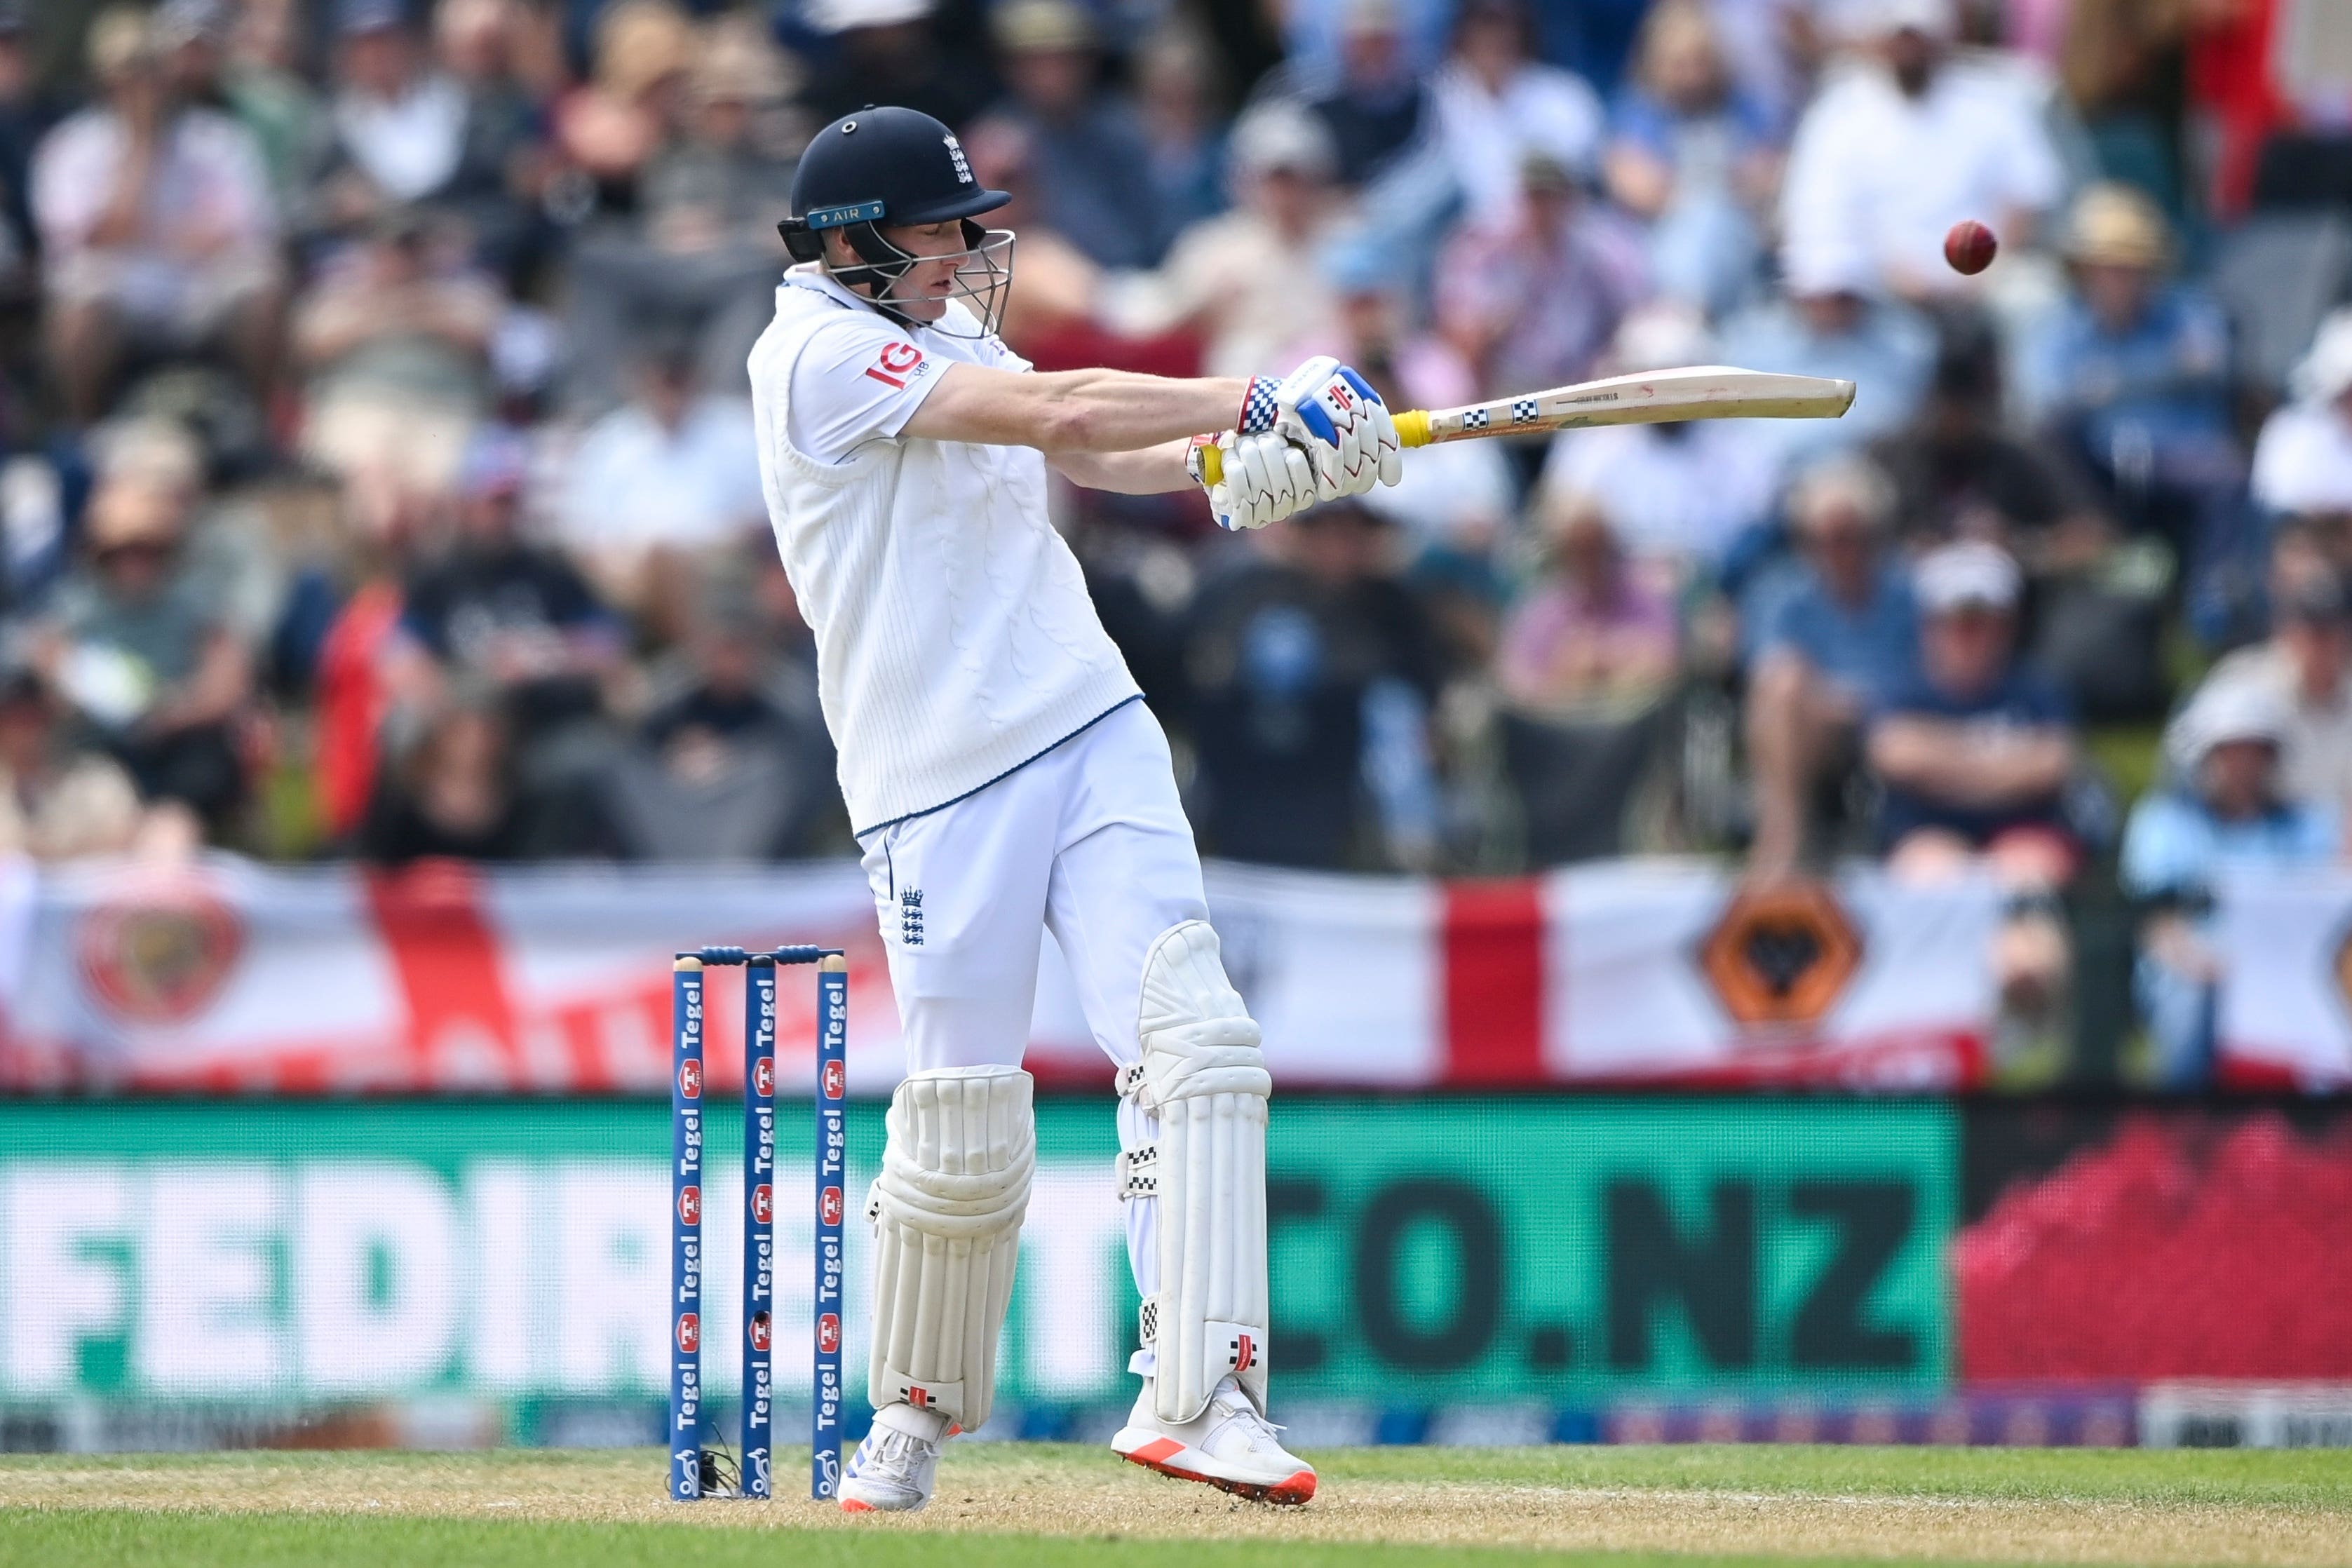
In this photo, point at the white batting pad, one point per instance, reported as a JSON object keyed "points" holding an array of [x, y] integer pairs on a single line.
{"points": [[1202, 1087], [947, 1210]]}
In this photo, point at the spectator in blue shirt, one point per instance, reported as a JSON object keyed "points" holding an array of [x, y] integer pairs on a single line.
{"points": [[1828, 647], [1691, 154], [1973, 752], [1379, 104], [2227, 810], [1974, 748], [2133, 363], [1089, 143], [2134, 376]]}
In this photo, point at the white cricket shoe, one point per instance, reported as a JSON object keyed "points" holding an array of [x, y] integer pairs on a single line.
{"points": [[1229, 1445], [893, 1471]]}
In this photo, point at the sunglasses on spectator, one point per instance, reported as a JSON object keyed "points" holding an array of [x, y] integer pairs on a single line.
{"points": [[131, 550]]}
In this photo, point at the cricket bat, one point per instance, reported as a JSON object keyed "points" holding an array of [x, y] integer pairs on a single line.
{"points": [[1652, 397]]}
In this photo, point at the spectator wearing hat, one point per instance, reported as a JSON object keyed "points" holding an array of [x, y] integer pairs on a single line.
{"points": [[610, 126], [697, 257], [2303, 461], [142, 641], [1830, 321], [2133, 377], [1251, 282], [1379, 105], [394, 339], [1825, 645], [1694, 157], [1906, 143], [1973, 754], [1974, 751], [157, 226], [2306, 664], [398, 124], [1500, 113], [2228, 807], [1533, 298], [1089, 152]]}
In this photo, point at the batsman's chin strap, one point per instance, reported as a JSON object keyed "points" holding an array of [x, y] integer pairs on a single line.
{"points": [[881, 263]]}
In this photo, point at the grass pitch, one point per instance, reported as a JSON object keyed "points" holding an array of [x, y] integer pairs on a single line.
{"points": [[1023, 1506]]}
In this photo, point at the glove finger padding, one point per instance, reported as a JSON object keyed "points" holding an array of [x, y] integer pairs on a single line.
{"points": [[1260, 478], [1273, 479]]}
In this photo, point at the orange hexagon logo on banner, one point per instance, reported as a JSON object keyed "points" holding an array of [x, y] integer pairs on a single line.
{"points": [[1781, 955]]}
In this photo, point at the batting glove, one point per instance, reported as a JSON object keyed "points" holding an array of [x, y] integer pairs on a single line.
{"points": [[1262, 477], [1333, 413]]}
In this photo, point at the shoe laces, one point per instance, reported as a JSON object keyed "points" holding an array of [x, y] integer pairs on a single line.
{"points": [[1255, 1428], [896, 1451]]}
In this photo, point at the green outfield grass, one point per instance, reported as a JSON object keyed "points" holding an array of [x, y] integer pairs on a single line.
{"points": [[1050, 1505]]}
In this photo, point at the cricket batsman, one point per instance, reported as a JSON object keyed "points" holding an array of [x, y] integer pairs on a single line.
{"points": [[1002, 771]]}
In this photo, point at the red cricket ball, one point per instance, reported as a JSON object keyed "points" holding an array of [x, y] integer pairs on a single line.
{"points": [[1971, 246]]}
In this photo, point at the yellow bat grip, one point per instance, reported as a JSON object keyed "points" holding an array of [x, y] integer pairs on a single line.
{"points": [[1412, 429]]}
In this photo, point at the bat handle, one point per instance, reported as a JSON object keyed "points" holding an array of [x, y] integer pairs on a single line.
{"points": [[1411, 426]]}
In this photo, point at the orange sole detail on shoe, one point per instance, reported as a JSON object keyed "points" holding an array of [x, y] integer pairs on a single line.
{"points": [[851, 1505], [1297, 1489]]}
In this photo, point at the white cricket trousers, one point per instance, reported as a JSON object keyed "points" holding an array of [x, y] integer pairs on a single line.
{"points": [[1089, 841]]}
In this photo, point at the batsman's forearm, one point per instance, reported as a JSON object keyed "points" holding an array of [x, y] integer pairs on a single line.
{"points": [[1147, 471], [1122, 411]]}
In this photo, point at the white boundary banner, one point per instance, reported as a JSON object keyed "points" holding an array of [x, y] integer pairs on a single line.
{"points": [[2285, 949], [225, 976]]}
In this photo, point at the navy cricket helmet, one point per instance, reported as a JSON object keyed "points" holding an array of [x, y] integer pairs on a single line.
{"points": [[898, 168]]}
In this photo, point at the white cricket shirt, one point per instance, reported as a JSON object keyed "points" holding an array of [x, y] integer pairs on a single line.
{"points": [[955, 639]]}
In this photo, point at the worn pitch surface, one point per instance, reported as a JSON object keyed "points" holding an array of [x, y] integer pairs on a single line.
{"points": [[1029, 1506]]}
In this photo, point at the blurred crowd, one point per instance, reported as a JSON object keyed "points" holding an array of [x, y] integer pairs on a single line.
{"points": [[376, 477]]}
